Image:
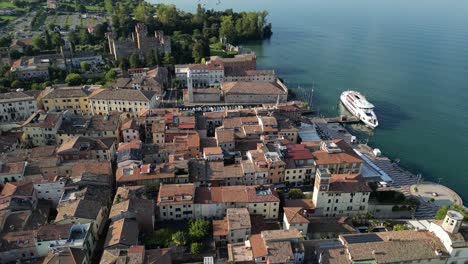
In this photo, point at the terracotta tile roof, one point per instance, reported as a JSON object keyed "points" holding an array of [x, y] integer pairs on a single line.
{"points": [[53, 232], [122, 232], [92, 167], [294, 215], [134, 205], [134, 144], [85, 209], [206, 91], [126, 192], [280, 252], [43, 120], [303, 203], [258, 246], [259, 72], [220, 228], [23, 188], [67, 92], [67, 255], [176, 194], [238, 218], [129, 124], [396, 247], [261, 88], [76, 144], [239, 194], [213, 151], [347, 155], [299, 152], [17, 96], [122, 94], [144, 172], [216, 115], [331, 225], [224, 136], [348, 183]]}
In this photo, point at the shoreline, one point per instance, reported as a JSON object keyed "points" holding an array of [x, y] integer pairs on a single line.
{"points": [[403, 178]]}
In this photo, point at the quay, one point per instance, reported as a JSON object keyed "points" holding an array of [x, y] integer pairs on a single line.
{"points": [[431, 195]]}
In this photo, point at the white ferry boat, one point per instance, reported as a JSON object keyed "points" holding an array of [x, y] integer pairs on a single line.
{"points": [[358, 105]]}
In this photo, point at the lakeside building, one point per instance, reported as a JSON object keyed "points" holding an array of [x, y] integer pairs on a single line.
{"points": [[340, 194], [139, 42], [386, 247], [185, 201], [104, 101], [15, 106]]}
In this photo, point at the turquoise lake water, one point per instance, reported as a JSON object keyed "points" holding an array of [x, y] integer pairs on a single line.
{"points": [[410, 58]]}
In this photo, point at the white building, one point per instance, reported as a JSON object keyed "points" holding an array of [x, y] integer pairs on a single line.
{"points": [[55, 237], [132, 101], [294, 217], [201, 75], [184, 201], [340, 194], [130, 131], [50, 190], [253, 76], [453, 235], [16, 106]]}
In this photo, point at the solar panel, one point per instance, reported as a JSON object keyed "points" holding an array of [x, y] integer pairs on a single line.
{"points": [[364, 238]]}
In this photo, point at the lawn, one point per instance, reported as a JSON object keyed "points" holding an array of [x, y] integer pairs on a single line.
{"points": [[7, 18], [6, 4], [216, 49]]}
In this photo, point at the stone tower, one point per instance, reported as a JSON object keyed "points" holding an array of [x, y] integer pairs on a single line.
{"points": [[141, 33], [452, 222]]}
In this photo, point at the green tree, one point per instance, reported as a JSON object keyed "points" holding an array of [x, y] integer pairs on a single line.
{"points": [[398, 227], [442, 211], [81, 9], [84, 66], [168, 59], [39, 42], [5, 41], [134, 60], [17, 84], [195, 248], [73, 79], [109, 6], [150, 58], [57, 40], [295, 194], [198, 229], [227, 29], [111, 75], [200, 50], [179, 238], [141, 12], [159, 238]]}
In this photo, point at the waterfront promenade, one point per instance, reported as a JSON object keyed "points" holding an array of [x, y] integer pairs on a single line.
{"points": [[430, 195]]}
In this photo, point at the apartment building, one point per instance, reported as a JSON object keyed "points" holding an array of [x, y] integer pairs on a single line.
{"points": [[340, 194], [336, 156], [235, 227], [132, 101], [176, 202], [16, 106], [201, 75], [97, 126], [40, 129], [212, 202], [75, 99]]}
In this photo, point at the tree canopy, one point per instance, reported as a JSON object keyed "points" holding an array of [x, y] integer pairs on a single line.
{"points": [[198, 229]]}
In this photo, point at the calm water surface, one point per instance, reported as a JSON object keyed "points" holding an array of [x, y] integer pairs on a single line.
{"points": [[410, 58]]}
